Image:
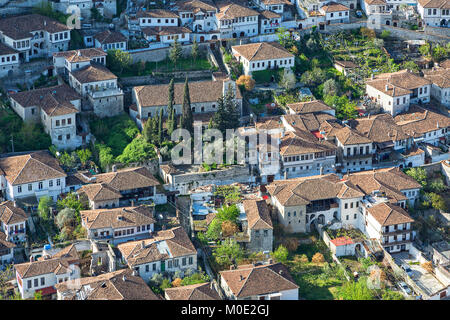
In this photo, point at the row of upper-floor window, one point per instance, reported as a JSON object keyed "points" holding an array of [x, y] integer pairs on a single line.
{"points": [[148, 20], [9, 58], [238, 20], [305, 157], [263, 64], [63, 122], [340, 14], [191, 15], [118, 45], [355, 150], [40, 185], [434, 12]]}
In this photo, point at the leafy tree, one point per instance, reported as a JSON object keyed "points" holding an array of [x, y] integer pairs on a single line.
{"points": [[229, 228], [118, 60], [438, 186], [175, 51], [67, 160], [410, 65], [356, 291], [45, 203], [170, 109], [344, 108], [318, 258], [228, 213], [281, 254], [71, 201], [418, 174], [84, 155], [147, 130], [214, 229], [330, 87], [187, 117], [246, 82], [313, 77], [165, 284], [227, 115], [284, 38], [227, 253], [439, 53], [291, 244], [425, 49], [392, 295], [378, 42], [437, 201], [385, 34], [288, 79], [138, 150], [195, 278], [66, 217], [176, 283]]}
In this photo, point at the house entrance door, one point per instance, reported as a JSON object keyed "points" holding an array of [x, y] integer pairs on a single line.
{"points": [[163, 266]]}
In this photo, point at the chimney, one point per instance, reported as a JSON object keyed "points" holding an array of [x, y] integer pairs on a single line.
{"points": [[124, 278], [321, 170], [371, 77], [132, 202], [241, 278], [142, 244], [393, 91], [114, 168], [270, 261], [45, 22], [232, 267], [15, 204], [387, 87]]}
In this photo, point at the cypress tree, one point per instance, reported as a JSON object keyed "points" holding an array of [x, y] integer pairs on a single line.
{"points": [[170, 123], [187, 118], [147, 130], [231, 109], [160, 127]]}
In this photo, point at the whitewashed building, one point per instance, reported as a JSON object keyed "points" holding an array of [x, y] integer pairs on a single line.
{"points": [[434, 13], [236, 21], [13, 221], [9, 61]]}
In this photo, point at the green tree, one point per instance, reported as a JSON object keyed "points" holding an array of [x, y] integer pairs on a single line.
{"points": [[228, 253], [288, 79], [281, 254], [67, 160], [66, 217], [71, 201], [284, 37], [84, 155], [175, 51], [147, 130], [187, 117], [392, 295], [45, 203], [138, 150], [418, 174], [344, 108], [330, 87], [313, 77], [170, 109], [410, 65], [160, 127], [355, 291], [437, 201], [425, 49], [439, 53], [194, 49], [118, 60], [228, 213], [385, 34], [214, 229]]}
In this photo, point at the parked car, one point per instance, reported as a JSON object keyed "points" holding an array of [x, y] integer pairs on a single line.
{"points": [[407, 269], [404, 288]]}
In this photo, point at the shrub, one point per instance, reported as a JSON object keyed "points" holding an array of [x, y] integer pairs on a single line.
{"points": [[263, 76], [247, 82], [281, 254], [291, 244], [176, 282], [229, 228], [318, 258]]}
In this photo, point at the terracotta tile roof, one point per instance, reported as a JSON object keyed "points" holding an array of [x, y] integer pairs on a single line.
{"points": [[20, 27], [417, 121], [441, 4], [266, 14], [168, 168], [200, 91], [55, 101], [390, 180], [258, 216], [99, 192], [301, 191], [388, 214], [334, 7], [440, 77], [393, 91], [403, 79], [231, 11], [117, 285], [126, 179], [303, 142], [37, 268], [81, 54], [117, 217], [346, 64], [109, 36], [375, 2], [172, 243], [164, 31], [156, 13], [348, 136], [262, 51], [93, 73], [309, 106], [192, 5], [201, 291], [307, 121], [445, 64], [269, 123], [9, 214], [69, 253], [32, 167], [5, 244], [379, 128], [258, 280], [4, 49], [268, 2]]}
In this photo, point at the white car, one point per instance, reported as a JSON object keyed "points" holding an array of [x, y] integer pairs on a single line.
{"points": [[404, 287]]}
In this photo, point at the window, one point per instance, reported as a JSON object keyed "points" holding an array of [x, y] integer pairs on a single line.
{"points": [[57, 123], [191, 260], [175, 263], [41, 185], [346, 217], [30, 187], [154, 267], [36, 282], [346, 206], [169, 264], [58, 182], [50, 183], [29, 284], [42, 281], [147, 268], [19, 189], [266, 233], [354, 216], [183, 261]]}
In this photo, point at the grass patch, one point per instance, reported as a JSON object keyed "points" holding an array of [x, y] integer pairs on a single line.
{"points": [[264, 76], [184, 64]]}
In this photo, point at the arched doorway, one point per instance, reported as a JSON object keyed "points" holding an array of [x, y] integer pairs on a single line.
{"points": [[394, 24], [300, 26], [202, 39], [410, 165], [352, 6], [388, 22], [443, 22], [321, 219], [214, 37], [234, 35], [242, 34]]}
